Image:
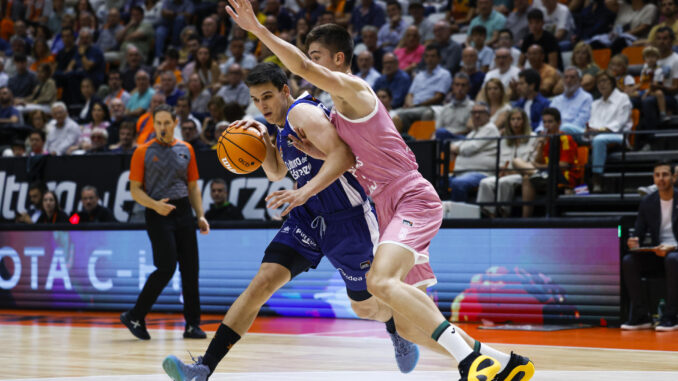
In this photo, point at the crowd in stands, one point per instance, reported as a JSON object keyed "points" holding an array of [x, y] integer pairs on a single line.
{"points": [[84, 75]]}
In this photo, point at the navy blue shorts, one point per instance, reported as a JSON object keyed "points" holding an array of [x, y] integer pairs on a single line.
{"points": [[346, 238]]}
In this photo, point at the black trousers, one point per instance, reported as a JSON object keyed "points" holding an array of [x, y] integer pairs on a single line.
{"points": [[173, 239], [637, 265]]}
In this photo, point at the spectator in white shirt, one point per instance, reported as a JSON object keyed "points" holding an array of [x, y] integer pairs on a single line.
{"points": [[366, 68], [62, 131], [505, 71]]}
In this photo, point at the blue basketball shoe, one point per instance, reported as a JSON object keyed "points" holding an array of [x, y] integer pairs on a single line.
{"points": [[406, 353], [179, 371]]}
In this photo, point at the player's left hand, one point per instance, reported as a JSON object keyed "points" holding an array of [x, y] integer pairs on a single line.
{"points": [[241, 12], [203, 225], [294, 198], [306, 146]]}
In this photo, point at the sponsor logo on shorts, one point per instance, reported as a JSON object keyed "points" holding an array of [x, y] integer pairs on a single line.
{"points": [[403, 233], [349, 278], [285, 229], [365, 265], [304, 239], [408, 223]]}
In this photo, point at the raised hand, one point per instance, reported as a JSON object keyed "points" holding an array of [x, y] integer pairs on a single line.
{"points": [[242, 13]]}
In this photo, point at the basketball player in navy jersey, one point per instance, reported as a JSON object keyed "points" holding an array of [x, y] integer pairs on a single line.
{"points": [[337, 222]]}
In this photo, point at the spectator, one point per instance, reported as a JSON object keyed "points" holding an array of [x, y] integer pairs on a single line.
{"points": [[206, 67], [175, 14], [419, 19], [221, 209], [543, 38], [386, 98], [490, 19], [36, 140], [450, 50], [132, 67], [191, 44], [145, 128], [655, 216], [35, 191], [619, 65], [98, 142], [142, 94], [66, 55], [117, 110], [536, 172], [87, 91], [92, 211], [183, 111], [126, 142], [24, 81], [44, 94], [168, 86], [574, 104], [198, 95], [505, 71], [392, 32], [4, 78], [516, 144], [284, 19], [485, 53], [632, 22], [51, 212], [428, 88], [551, 82], [516, 21], [17, 148], [191, 135], [505, 41], [592, 20], [669, 12], [475, 157], [42, 55], [299, 40], [311, 11], [215, 107], [89, 58], [394, 79], [531, 99], [651, 78], [107, 41], [18, 49], [8, 113], [171, 64], [582, 59], [234, 89], [100, 119], [453, 121], [38, 120], [115, 90], [411, 50], [367, 13], [366, 69], [498, 102], [469, 58], [558, 21], [238, 55], [644, 191], [210, 38], [62, 131]]}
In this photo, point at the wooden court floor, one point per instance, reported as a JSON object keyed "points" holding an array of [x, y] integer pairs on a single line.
{"points": [[46, 345]]}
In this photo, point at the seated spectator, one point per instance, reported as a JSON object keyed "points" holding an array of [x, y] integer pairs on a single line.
{"points": [[24, 81], [98, 142], [183, 111], [410, 50], [126, 142], [652, 79], [504, 70], [234, 89], [593, 19], [44, 94], [450, 50], [394, 79], [175, 15], [530, 99], [392, 32], [655, 216], [574, 103], [35, 191], [100, 119], [558, 21], [491, 20], [543, 38], [36, 140], [219, 130], [367, 13], [8, 113], [341, 11], [216, 107], [221, 209], [107, 41], [89, 60], [41, 55], [51, 212], [117, 110], [453, 120], [141, 96], [171, 64], [366, 69], [369, 43], [89, 97], [619, 65], [419, 19], [428, 88], [210, 38], [551, 82], [115, 89], [198, 95], [469, 60], [92, 211], [38, 120], [582, 59], [515, 145], [311, 11], [286, 20], [206, 67], [145, 128], [668, 10], [536, 172], [239, 56], [476, 156], [485, 53], [498, 102], [168, 86], [506, 41], [133, 64], [517, 22], [139, 34], [633, 22], [385, 97], [190, 134]]}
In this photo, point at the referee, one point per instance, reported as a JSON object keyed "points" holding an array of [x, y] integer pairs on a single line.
{"points": [[163, 177]]}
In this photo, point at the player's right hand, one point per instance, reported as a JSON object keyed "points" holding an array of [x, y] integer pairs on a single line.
{"points": [[163, 208], [633, 243], [241, 12]]}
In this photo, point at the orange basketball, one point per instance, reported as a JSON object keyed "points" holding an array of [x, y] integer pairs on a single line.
{"points": [[240, 150]]}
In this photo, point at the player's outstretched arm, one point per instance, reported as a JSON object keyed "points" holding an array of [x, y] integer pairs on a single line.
{"points": [[335, 83], [338, 156], [273, 165]]}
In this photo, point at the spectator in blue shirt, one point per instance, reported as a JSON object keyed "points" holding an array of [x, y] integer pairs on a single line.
{"points": [[368, 13], [492, 20], [89, 58], [395, 80], [469, 59], [574, 103], [392, 32], [8, 113], [311, 11], [174, 13], [531, 99]]}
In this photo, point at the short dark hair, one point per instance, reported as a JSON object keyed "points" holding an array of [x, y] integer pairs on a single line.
{"points": [[479, 29], [535, 14], [38, 184], [394, 2], [532, 77], [164, 108], [663, 162], [553, 112], [186, 98], [607, 74], [266, 72], [663, 29], [506, 30], [219, 180], [435, 47], [189, 121], [128, 124], [333, 37], [20, 58], [41, 133]]}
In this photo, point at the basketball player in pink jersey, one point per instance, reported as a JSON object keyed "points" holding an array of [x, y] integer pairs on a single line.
{"points": [[408, 208]]}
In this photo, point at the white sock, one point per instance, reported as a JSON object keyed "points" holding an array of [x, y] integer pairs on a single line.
{"points": [[502, 357], [451, 340]]}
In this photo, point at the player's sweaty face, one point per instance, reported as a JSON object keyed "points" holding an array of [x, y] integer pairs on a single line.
{"points": [[269, 101]]}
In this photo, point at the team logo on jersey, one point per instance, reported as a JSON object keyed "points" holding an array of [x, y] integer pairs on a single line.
{"points": [[365, 265], [155, 159], [408, 223], [183, 155]]}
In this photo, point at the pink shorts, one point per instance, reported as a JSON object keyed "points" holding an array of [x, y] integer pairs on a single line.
{"points": [[410, 214]]}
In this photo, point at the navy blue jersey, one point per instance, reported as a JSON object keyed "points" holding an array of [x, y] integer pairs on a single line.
{"points": [[342, 194]]}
